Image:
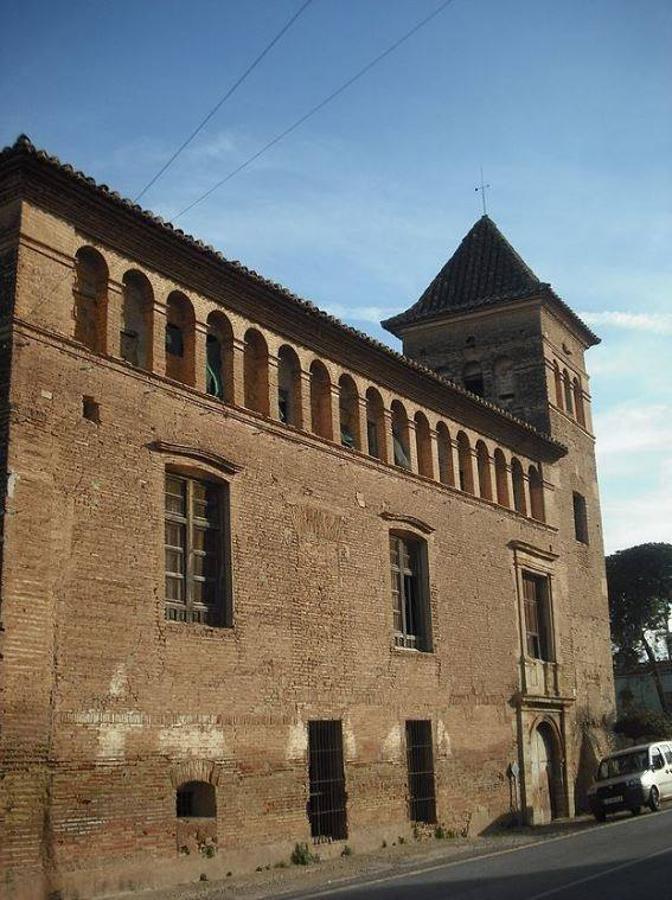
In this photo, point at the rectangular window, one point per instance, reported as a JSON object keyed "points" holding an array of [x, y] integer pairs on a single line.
{"points": [[420, 757], [580, 518], [410, 592], [327, 802], [195, 531], [537, 616]]}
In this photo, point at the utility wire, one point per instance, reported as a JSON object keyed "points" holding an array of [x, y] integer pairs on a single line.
{"points": [[234, 87], [317, 108]]}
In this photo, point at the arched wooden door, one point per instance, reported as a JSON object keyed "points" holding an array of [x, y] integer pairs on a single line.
{"points": [[544, 774]]}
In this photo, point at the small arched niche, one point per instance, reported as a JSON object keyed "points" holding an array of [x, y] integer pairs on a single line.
{"points": [[348, 407], [518, 481], [90, 299], [465, 461], [255, 370], [320, 400], [400, 435], [137, 313], [483, 465], [578, 403], [289, 386], [219, 357], [375, 424], [536, 494], [180, 328], [501, 479], [445, 452], [472, 378], [423, 443]]}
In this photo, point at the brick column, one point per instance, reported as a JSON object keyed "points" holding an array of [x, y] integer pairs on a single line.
{"points": [[412, 446], [434, 454], [115, 300], [158, 338], [273, 406], [200, 355], [389, 443], [362, 419], [238, 398], [335, 413], [306, 411], [526, 490], [456, 462]]}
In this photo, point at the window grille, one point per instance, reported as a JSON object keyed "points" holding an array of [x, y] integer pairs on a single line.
{"points": [[420, 758], [327, 803], [537, 616], [195, 585]]}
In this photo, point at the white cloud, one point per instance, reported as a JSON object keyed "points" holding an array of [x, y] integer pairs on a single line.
{"points": [[646, 517], [631, 427], [371, 314], [657, 323]]}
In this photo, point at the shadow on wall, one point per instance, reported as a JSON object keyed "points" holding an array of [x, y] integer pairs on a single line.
{"points": [[589, 758]]}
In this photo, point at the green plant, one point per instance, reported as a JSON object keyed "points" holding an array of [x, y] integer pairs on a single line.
{"points": [[644, 723], [416, 833], [439, 832], [280, 865], [302, 856], [347, 850], [209, 851]]}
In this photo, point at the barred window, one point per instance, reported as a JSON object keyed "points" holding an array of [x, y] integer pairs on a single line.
{"points": [[195, 532], [410, 594]]}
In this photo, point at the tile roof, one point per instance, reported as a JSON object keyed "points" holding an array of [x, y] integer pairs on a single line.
{"points": [[484, 270], [23, 146]]}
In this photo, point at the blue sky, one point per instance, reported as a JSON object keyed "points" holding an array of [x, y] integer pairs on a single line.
{"points": [[566, 105]]}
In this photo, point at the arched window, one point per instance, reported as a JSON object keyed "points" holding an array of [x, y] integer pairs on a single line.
{"points": [[558, 385], [536, 494], [567, 384], [578, 403], [180, 326], [446, 471], [518, 480], [472, 378], [135, 336], [256, 372], [320, 400], [219, 357], [400, 438], [501, 479], [289, 387], [90, 295], [464, 459], [196, 800], [483, 463], [348, 408], [375, 424], [423, 444], [505, 380]]}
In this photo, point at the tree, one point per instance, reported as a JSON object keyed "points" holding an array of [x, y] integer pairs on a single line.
{"points": [[640, 600]]}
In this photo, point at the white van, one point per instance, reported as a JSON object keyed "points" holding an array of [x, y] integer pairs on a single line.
{"points": [[632, 778]]}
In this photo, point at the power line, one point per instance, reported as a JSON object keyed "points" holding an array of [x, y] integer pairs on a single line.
{"points": [[226, 96], [318, 107]]}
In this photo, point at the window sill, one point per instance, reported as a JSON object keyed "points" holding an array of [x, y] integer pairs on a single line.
{"points": [[412, 650]]}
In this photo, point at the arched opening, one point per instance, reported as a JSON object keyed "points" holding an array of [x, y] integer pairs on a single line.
{"points": [[375, 424], [558, 385], [255, 368], [505, 380], [501, 480], [546, 775], [348, 412], [219, 357], [423, 444], [180, 328], [472, 378], [196, 800], [518, 480], [320, 400], [483, 465], [567, 384], [135, 335], [465, 463], [578, 403], [445, 452], [400, 436], [289, 387], [90, 296], [536, 494]]}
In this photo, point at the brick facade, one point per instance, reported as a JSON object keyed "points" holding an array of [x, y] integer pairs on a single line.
{"points": [[108, 707]]}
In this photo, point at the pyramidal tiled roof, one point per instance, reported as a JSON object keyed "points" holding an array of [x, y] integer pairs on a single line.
{"points": [[485, 269]]}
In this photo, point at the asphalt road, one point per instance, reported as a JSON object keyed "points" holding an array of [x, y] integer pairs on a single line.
{"points": [[624, 859]]}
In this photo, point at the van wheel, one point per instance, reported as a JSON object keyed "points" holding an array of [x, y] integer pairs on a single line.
{"points": [[654, 799], [635, 810]]}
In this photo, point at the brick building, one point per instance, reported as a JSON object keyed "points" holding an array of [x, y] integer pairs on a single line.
{"points": [[265, 580]]}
